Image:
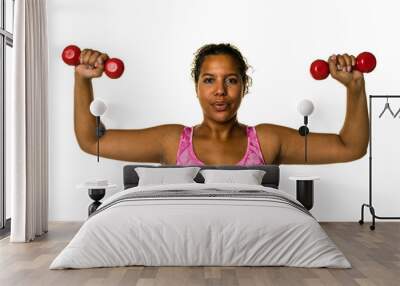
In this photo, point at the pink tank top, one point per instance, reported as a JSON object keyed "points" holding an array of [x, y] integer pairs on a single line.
{"points": [[186, 156]]}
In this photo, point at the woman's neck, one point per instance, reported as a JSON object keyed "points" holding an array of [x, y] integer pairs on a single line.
{"points": [[222, 131]]}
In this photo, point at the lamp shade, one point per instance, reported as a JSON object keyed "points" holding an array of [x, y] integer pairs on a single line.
{"points": [[305, 107], [98, 107]]}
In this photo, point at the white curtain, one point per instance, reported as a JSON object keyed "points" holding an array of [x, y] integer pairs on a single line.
{"points": [[27, 143]]}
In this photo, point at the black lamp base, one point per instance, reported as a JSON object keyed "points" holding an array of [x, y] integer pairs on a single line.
{"points": [[303, 130], [96, 195]]}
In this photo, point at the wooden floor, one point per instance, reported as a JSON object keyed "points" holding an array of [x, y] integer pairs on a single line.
{"points": [[374, 255]]}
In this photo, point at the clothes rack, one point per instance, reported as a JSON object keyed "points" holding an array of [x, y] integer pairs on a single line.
{"points": [[369, 205]]}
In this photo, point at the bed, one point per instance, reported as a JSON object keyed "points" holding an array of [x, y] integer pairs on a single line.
{"points": [[201, 223]]}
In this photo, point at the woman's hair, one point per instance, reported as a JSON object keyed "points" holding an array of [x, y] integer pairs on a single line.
{"points": [[222, 49]]}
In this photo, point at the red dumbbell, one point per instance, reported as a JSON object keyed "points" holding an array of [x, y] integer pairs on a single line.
{"points": [[113, 67], [365, 63]]}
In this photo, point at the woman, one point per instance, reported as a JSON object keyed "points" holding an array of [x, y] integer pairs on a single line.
{"points": [[219, 73]]}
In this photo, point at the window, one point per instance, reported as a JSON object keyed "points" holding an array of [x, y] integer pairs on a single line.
{"points": [[6, 44]]}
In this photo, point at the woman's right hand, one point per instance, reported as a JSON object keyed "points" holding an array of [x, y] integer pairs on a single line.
{"points": [[91, 64]]}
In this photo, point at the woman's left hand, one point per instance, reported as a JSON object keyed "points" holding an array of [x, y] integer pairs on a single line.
{"points": [[342, 68]]}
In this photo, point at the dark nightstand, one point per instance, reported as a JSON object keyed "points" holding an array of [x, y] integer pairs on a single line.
{"points": [[305, 190], [96, 193]]}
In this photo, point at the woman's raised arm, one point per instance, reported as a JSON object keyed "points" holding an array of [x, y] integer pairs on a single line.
{"points": [[349, 144], [137, 145]]}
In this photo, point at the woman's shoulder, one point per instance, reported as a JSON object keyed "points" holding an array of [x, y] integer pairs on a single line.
{"points": [[266, 128], [268, 137], [173, 126], [170, 142], [172, 130], [268, 132]]}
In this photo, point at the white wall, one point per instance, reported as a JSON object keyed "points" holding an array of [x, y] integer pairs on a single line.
{"points": [[157, 39]]}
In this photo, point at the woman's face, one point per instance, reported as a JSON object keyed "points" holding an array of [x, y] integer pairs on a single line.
{"points": [[220, 87]]}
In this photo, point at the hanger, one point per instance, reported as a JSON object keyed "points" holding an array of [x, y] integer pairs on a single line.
{"points": [[398, 111], [387, 106]]}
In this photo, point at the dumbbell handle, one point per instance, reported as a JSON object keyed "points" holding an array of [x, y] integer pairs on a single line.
{"points": [[113, 67], [365, 63]]}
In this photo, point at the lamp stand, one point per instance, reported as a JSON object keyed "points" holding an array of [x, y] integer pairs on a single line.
{"points": [[303, 131], [98, 136]]}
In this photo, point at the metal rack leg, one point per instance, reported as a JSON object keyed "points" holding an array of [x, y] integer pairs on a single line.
{"points": [[372, 210], [374, 216], [361, 221]]}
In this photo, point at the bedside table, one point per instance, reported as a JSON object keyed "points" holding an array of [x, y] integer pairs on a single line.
{"points": [[305, 190], [96, 193]]}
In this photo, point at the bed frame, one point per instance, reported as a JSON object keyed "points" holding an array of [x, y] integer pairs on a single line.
{"points": [[270, 179]]}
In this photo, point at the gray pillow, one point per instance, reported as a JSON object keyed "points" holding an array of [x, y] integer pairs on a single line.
{"points": [[162, 176], [248, 177]]}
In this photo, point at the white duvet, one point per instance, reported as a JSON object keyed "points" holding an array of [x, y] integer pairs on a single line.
{"points": [[182, 231]]}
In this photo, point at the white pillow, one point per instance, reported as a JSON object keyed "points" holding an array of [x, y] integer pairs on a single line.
{"points": [[249, 177], [163, 176]]}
